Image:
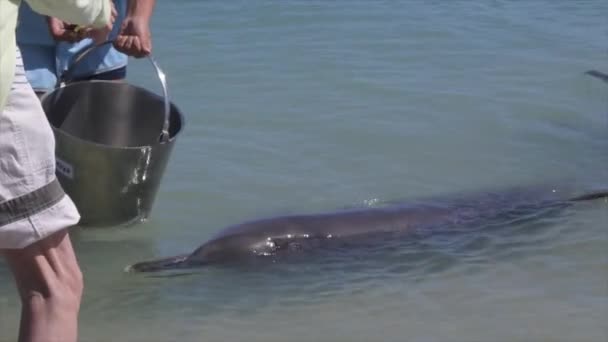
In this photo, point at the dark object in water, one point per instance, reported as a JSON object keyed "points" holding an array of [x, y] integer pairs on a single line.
{"points": [[598, 74], [284, 234]]}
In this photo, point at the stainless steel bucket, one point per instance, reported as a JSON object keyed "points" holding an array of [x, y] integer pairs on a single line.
{"points": [[113, 142]]}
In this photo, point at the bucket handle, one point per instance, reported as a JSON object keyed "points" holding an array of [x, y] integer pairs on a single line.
{"points": [[164, 135]]}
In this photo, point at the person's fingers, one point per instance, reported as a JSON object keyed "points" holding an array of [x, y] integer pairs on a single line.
{"points": [[82, 32], [129, 44], [137, 48], [71, 36], [56, 26], [119, 42], [146, 45], [62, 31]]}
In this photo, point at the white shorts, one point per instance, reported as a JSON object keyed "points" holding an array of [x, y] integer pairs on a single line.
{"points": [[32, 202]]}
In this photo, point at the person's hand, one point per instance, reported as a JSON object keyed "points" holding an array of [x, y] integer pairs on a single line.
{"points": [[134, 38], [65, 32]]}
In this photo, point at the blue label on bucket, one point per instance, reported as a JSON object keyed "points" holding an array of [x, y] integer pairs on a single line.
{"points": [[64, 168]]}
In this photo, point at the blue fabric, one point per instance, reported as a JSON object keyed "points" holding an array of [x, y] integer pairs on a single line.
{"points": [[42, 66], [32, 28], [101, 59]]}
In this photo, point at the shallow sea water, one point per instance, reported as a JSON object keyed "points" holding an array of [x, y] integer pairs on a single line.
{"points": [[305, 106]]}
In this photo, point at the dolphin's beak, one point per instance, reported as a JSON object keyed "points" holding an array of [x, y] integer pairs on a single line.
{"points": [[602, 76], [158, 265]]}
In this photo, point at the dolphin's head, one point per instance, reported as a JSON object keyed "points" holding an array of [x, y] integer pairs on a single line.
{"points": [[159, 265], [224, 249]]}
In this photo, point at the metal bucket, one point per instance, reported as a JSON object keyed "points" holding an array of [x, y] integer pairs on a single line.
{"points": [[113, 142]]}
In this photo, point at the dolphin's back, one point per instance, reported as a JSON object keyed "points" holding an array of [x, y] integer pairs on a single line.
{"points": [[274, 235]]}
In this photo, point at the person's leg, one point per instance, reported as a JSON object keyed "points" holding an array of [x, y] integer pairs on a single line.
{"points": [[50, 286], [35, 214]]}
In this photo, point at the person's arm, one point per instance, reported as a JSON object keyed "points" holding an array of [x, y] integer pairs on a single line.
{"points": [[95, 13], [134, 38], [63, 15], [141, 8], [62, 31], [50, 285]]}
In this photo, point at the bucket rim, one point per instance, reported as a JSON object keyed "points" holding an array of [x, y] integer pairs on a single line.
{"points": [[162, 77], [171, 139]]}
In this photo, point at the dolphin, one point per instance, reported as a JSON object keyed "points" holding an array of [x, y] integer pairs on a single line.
{"points": [[598, 74], [282, 235]]}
